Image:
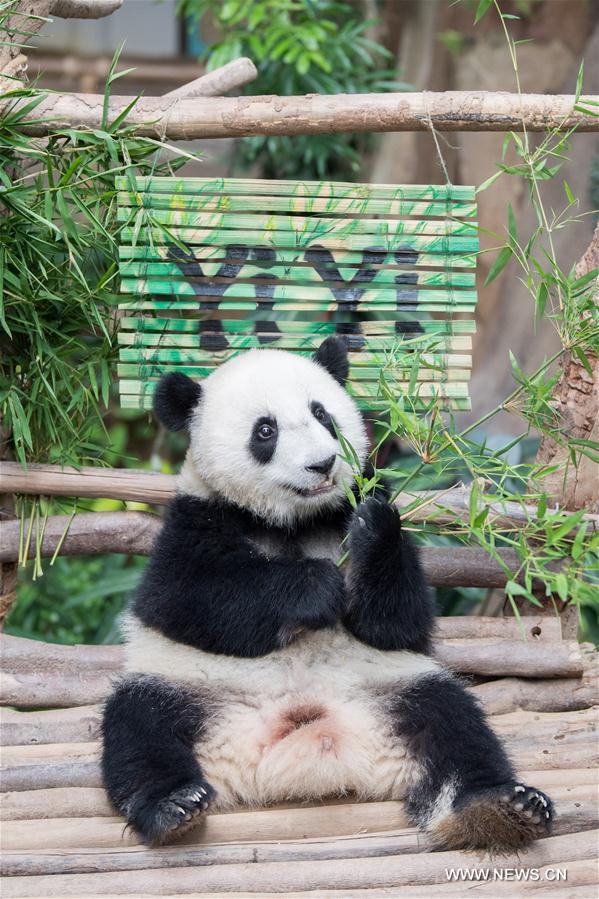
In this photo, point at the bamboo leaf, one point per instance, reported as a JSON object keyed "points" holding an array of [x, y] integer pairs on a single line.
{"points": [[500, 263]]}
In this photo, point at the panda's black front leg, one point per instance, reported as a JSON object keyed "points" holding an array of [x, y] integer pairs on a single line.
{"points": [[149, 767], [390, 606]]}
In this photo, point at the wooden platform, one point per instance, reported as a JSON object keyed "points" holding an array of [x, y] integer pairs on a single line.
{"points": [[61, 838]]}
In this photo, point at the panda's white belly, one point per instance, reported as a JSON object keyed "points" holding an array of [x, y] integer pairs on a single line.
{"points": [[303, 722]]}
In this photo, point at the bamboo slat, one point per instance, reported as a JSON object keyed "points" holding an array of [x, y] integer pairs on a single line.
{"points": [[192, 245], [323, 189], [305, 330], [351, 205], [231, 252]]}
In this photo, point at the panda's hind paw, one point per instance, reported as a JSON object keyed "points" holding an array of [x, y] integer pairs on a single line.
{"points": [[529, 803], [167, 818], [499, 819]]}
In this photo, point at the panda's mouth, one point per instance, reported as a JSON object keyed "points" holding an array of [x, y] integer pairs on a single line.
{"points": [[307, 492]]}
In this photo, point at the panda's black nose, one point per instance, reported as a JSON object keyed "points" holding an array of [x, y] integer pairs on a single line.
{"points": [[323, 467]]}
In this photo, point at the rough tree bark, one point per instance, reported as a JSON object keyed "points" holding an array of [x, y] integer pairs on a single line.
{"points": [[576, 399], [217, 117]]}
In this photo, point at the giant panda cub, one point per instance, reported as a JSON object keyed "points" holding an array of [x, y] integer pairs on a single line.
{"points": [[257, 671]]}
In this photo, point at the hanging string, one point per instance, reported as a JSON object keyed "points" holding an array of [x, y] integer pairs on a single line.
{"points": [[447, 254]]}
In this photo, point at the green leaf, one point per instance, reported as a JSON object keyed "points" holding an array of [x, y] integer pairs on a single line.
{"points": [[500, 263], [579, 82], [583, 359], [481, 9], [569, 194], [512, 588], [541, 299], [488, 182], [512, 227], [561, 586]]}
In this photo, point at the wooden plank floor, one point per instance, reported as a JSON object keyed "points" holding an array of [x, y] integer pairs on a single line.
{"points": [[60, 836]]}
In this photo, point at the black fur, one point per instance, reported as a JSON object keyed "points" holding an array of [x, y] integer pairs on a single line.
{"points": [[445, 729], [175, 399], [321, 415], [332, 355], [390, 606], [148, 765], [263, 448], [207, 584]]}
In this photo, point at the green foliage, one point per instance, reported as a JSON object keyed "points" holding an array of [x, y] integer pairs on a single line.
{"points": [[58, 290], [299, 47], [78, 600]]}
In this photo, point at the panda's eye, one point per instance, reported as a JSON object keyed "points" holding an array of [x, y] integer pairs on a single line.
{"points": [[320, 413], [265, 432]]}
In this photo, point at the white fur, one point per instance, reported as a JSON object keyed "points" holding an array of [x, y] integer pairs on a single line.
{"points": [[246, 754], [273, 383]]}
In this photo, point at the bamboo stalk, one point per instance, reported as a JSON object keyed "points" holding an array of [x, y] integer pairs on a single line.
{"points": [[285, 876], [210, 117]]}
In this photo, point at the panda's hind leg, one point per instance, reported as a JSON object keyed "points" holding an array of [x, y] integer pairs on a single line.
{"points": [[149, 766], [466, 795]]}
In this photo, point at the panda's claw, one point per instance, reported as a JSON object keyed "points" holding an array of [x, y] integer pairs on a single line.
{"points": [[175, 813]]}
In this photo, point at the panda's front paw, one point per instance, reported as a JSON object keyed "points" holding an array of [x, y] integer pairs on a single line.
{"points": [[158, 820], [373, 523]]}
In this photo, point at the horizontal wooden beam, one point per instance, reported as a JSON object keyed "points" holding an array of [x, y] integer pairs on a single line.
{"points": [[135, 485], [46, 676], [132, 533], [205, 117]]}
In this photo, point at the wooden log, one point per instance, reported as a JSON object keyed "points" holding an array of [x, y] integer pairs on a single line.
{"points": [[510, 693], [81, 723], [74, 725], [58, 802], [84, 9], [556, 741], [87, 534], [42, 675], [350, 873], [41, 690], [107, 483], [575, 812], [582, 872], [526, 659], [152, 487], [575, 789], [219, 81], [133, 533], [216, 117]]}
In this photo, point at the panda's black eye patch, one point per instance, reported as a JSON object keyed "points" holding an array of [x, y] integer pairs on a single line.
{"points": [[264, 439], [320, 414]]}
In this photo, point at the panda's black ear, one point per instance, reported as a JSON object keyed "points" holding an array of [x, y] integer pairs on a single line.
{"points": [[175, 399], [332, 355]]}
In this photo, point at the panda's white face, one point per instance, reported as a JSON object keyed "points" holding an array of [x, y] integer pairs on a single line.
{"points": [[263, 436]]}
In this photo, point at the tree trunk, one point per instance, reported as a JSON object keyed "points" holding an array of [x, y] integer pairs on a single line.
{"points": [[577, 401]]}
